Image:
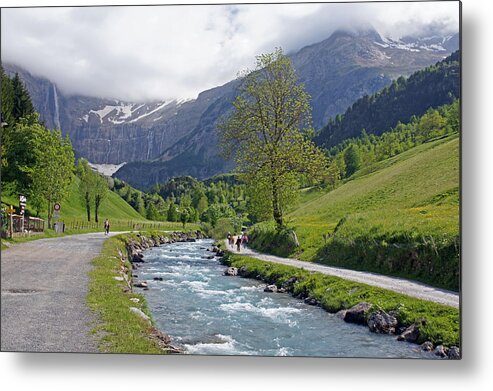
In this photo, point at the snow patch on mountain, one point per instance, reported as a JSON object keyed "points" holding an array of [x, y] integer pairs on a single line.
{"points": [[125, 112], [159, 107], [106, 169], [431, 44]]}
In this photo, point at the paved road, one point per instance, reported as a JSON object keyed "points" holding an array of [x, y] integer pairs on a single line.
{"points": [[400, 285], [44, 288]]}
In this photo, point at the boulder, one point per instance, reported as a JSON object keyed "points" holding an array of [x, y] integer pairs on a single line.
{"points": [[140, 313], [381, 322], [427, 346], [137, 257], [341, 314], [158, 278], [311, 301], [454, 353], [135, 300], [231, 271], [411, 334], [441, 351], [140, 284], [289, 284], [270, 288], [282, 290], [220, 253], [243, 271], [357, 313]]}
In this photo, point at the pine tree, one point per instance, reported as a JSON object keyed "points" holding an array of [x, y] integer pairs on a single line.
{"points": [[23, 105]]}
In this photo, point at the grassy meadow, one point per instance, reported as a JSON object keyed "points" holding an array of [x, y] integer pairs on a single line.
{"points": [[401, 219]]}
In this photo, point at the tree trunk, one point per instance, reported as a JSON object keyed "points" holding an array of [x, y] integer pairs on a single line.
{"points": [[96, 209], [49, 214], [275, 204], [88, 206]]}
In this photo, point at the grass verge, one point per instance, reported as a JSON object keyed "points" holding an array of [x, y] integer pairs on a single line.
{"points": [[121, 330], [335, 294]]}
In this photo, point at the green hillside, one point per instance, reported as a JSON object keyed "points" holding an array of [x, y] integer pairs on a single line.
{"points": [[115, 208], [433, 86], [402, 219]]}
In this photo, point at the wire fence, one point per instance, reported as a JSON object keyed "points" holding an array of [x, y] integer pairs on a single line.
{"points": [[130, 224]]}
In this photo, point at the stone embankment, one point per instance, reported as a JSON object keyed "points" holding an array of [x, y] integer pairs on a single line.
{"points": [[135, 246]]}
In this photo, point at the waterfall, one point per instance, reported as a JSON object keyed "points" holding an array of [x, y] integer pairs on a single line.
{"points": [[149, 144], [108, 153], [57, 112]]}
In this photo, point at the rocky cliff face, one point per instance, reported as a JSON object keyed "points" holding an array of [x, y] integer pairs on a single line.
{"points": [[163, 139]]}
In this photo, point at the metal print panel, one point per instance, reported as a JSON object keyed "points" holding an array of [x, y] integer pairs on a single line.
{"points": [[236, 179]]}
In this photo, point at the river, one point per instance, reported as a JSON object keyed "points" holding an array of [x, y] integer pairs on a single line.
{"points": [[208, 313]]}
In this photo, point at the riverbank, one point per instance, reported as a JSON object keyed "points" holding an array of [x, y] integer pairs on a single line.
{"points": [[432, 326], [126, 324]]}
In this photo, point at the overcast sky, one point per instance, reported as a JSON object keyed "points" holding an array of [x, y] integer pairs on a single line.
{"points": [[161, 52]]}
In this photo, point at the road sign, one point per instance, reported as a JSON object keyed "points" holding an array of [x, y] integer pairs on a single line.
{"points": [[57, 207], [10, 210], [22, 204], [56, 214]]}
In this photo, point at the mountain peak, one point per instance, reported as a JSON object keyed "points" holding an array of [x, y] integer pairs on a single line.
{"points": [[364, 31]]}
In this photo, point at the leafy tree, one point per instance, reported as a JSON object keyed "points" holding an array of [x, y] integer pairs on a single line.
{"points": [[7, 97], [172, 212], [203, 204], [138, 203], [267, 134], [100, 194], [21, 143], [86, 184], [352, 160], [51, 175], [185, 214], [152, 212]]}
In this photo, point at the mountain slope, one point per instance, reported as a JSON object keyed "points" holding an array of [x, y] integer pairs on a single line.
{"points": [[402, 219], [431, 87], [336, 72]]}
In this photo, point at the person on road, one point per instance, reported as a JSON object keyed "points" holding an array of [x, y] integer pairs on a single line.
{"points": [[107, 227], [230, 238], [238, 243], [244, 239]]}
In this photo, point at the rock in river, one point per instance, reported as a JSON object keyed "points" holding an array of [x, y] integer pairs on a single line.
{"points": [[231, 271], [357, 313], [382, 322]]}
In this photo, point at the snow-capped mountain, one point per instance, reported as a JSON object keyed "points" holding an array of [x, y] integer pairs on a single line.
{"points": [[173, 137], [126, 112], [431, 44]]}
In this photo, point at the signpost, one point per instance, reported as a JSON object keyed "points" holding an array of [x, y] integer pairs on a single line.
{"points": [[22, 208], [56, 210]]}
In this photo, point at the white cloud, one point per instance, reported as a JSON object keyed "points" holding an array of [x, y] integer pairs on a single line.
{"points": [[161, 52]]}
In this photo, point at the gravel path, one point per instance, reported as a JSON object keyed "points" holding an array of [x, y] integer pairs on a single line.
{"points": [[400, 285], [44, 289]]}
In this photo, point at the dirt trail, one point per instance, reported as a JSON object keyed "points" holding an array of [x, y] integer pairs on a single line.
{"points": [[44, 289], [400, 285]]}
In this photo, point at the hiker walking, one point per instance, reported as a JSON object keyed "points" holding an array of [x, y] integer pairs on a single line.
{"points": [[107, 227], [238, 243], [244, 239]]}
